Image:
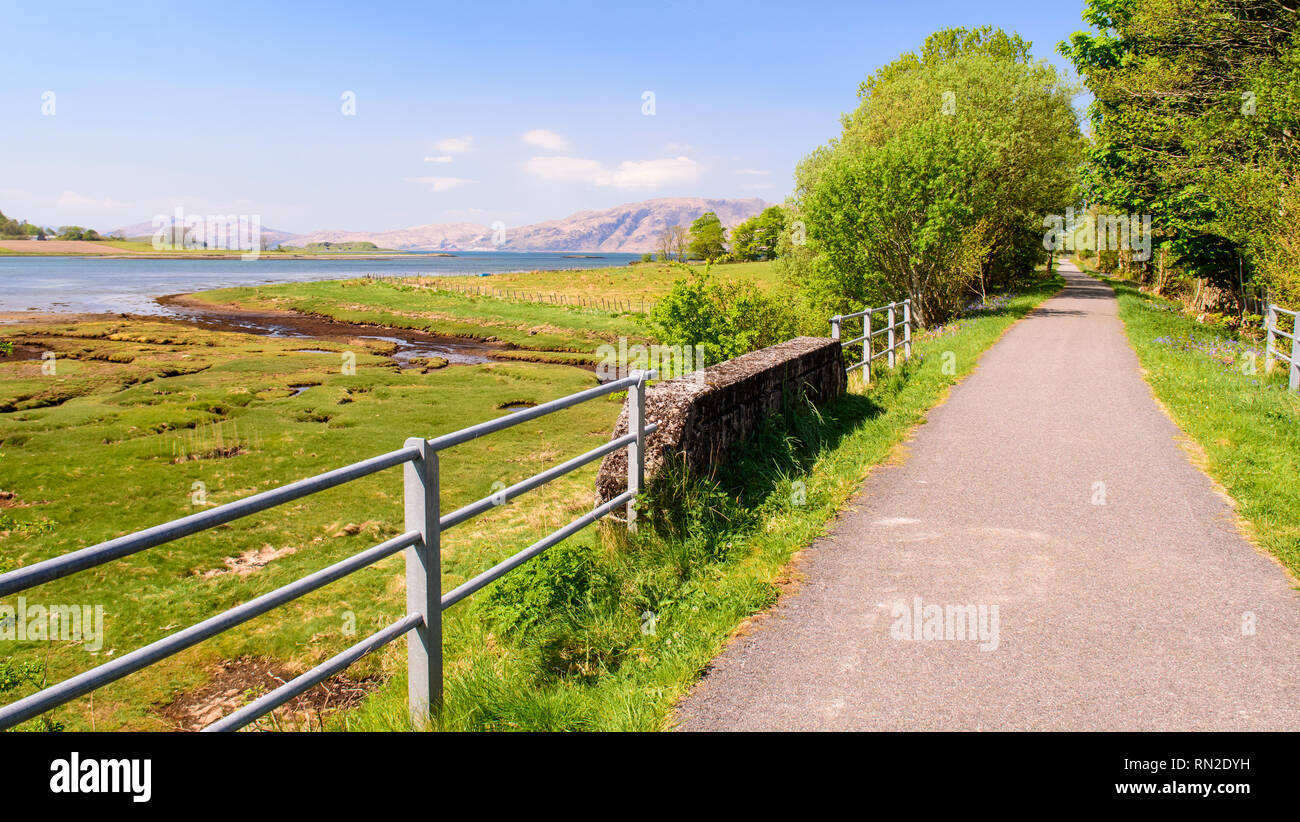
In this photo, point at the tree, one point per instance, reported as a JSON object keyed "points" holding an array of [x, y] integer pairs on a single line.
{"points": [[941, 178], [757, 238], [672, 243], [11, 228], [707, 237], [1196, 120]]}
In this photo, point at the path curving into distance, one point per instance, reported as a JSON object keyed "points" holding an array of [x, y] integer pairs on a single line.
{"points": [[1135, 614]]}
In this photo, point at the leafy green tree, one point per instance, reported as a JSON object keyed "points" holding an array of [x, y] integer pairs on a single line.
{"points": [[758, 237], [707, 237], [940, 179], [11, 228], [743, 237], [76, 232]]}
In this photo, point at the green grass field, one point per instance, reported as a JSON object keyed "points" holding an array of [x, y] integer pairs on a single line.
{"points": [[160, 408], [564, 333], [1246, 423], [627, 282], [534, 327]]}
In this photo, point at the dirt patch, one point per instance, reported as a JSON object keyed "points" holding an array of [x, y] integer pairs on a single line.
{"points": [[371, 527], [24, 351], [235, 683], [190, 310], [9, 499], [250, 561]]}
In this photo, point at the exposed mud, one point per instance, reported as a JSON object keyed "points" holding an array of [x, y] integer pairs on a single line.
{"points": [[235, 683], [409, 344]]}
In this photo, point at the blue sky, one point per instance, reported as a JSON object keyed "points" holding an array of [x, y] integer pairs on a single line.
{"points": [[469, 112]]}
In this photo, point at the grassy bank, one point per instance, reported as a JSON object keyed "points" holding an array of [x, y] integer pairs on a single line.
{"points": [[1246, 423]]}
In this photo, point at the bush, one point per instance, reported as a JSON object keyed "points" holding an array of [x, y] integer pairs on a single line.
{"points": [[725, 318]]}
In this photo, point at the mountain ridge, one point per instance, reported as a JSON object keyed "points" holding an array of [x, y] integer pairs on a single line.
{"points": [[627, 228]]}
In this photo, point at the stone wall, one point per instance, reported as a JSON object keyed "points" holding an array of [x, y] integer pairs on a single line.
{"points": [[702, 415]]}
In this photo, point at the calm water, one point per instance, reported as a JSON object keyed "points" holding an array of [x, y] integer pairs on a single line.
{"points": [[78, 284]]}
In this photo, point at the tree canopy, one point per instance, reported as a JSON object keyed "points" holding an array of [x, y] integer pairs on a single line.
{"points": [[707, 237], [940, 178], [1195, 121]]}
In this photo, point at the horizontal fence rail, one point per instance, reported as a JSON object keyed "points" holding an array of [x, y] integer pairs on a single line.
{"points": [[421, 540], [1271, 352], [893, 342]]}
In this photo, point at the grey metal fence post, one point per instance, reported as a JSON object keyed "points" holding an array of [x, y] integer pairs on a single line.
{"points": [[1270, 322], [423, 584], [891, 335], [1294, 382], [907, 329], [866, 347], [636, 449], [835, 327]]}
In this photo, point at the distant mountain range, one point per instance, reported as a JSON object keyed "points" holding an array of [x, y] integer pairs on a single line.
{"points": [[629, 228]]}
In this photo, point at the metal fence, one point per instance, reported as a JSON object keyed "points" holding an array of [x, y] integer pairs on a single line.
{"points": [[424, 525], [892, 343], [1271, 352]]}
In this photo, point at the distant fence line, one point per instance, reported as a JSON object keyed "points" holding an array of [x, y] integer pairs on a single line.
{"points": [[641, 304]]}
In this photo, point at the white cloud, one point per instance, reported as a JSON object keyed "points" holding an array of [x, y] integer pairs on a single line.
{"points": [[443, 183], [542, 138], [645, 174], [567, 169], [72, 198], [441, 158], [656, 173], [455, 145]]}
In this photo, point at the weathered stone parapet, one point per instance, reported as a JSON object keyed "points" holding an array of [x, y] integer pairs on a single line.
{"points": [[702, 415]]}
